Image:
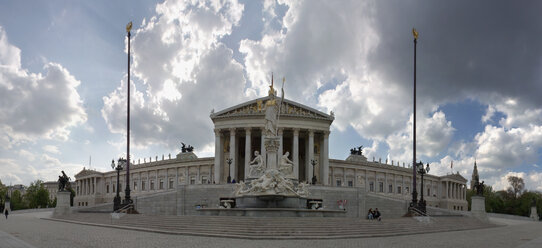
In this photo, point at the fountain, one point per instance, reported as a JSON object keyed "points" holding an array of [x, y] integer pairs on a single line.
{"points": [[271, 188]]}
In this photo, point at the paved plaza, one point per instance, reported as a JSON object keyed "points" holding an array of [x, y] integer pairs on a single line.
{"points": [[29, 230]]}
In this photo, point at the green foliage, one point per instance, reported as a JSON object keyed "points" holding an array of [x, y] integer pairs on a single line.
{"points": [[513, 201], [72, 195], [36, 195], [516, 185], [52, 203], [17, 201]]}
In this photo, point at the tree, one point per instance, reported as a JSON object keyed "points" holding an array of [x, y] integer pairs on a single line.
{"points": [[17, 201], [36, 195], [516, 185], [72, 195]]}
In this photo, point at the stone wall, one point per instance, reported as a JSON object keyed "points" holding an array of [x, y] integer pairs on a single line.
{"points": [[187, 198], [331, 195], [191, 196], [164, 203]]}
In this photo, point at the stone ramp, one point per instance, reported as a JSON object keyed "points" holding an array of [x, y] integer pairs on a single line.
{"points": [[277, 227]]}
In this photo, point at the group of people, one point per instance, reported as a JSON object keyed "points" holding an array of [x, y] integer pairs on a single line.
{"points": [[374, 214]]}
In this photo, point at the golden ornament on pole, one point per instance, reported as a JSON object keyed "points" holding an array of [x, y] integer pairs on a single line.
{"points": [[129, 27], [415, 33]]}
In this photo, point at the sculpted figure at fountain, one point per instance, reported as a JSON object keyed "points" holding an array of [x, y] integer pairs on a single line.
{"points": [[256, 167], [286, 166]]}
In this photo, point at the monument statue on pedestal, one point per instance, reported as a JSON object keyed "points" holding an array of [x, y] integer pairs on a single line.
{"points": [[478, 205], [63, 182]]}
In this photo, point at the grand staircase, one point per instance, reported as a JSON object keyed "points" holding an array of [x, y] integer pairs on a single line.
{"points": [[277, 228]]}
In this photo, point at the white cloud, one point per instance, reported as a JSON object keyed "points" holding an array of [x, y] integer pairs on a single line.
{"points": [[35, 105], [188, 72], [51, 149]]}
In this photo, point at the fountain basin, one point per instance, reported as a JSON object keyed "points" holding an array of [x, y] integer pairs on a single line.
{"points": [[270, 201]]}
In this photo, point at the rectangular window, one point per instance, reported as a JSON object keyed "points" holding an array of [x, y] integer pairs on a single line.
{"points": [[143, 184], [192, 180], [350, 183], [381, 187], [120, 187], [372, 186], [171, 183], [107, 189], [152, 184], [390, 188], [114, 188], [398, 189], [204, 180], [161, 183], [339, 182], [407, 190]]}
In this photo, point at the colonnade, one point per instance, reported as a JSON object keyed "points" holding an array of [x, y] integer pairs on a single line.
{"points": [[456, 190], [86, 186], [308, 136]]}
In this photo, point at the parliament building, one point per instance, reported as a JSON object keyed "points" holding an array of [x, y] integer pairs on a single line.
{"points": [[182, 183]]}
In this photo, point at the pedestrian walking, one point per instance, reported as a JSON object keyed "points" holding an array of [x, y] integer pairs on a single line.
{"points": [[6, 213]]}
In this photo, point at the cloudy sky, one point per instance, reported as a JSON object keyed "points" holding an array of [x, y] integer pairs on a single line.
{"points": [[63, 79]]}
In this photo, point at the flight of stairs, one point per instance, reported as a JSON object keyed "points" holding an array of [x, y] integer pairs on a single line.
{"points": [[278, 228]]}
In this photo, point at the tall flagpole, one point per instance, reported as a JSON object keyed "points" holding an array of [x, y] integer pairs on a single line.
{"points": [[127, 191], [414, 202]]}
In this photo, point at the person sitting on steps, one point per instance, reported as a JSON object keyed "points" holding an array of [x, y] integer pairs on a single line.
{"points": [[377, 214], [370, 214]]}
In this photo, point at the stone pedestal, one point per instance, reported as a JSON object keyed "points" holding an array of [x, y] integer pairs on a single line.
{"points": [[62, 203], [478, 207], [534, 214], [271, 146]]}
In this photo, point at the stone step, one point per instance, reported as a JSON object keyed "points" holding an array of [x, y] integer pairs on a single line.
{"points": [[251, 227]]}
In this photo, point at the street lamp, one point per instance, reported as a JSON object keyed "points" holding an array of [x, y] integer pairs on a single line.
{"points": [[414, 202], [422, 171], [120, 165], [313, 162], [127, 199], [229, 160]]}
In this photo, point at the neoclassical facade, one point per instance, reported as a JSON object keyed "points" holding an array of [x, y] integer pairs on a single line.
{"points": [[239, 132]]}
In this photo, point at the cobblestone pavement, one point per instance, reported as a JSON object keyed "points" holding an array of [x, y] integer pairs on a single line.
{"points": [[29, 228]]}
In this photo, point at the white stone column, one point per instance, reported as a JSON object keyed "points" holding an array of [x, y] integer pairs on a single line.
{"points": [[447, 189], [262, 146], [344, 177], [187, 175], [279, 152], [218, 158], [248, 152], [355, 182], [156, 182], [95, 185], [325, 163], [177, 177], [198, 177], [166, 181], [233, 155], [295, 148], [148, 186], [309, 168], [366, 181]]}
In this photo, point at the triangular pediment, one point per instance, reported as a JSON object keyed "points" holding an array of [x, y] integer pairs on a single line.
{"points": [[257, 108], [456, 176], [86, 172]]}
